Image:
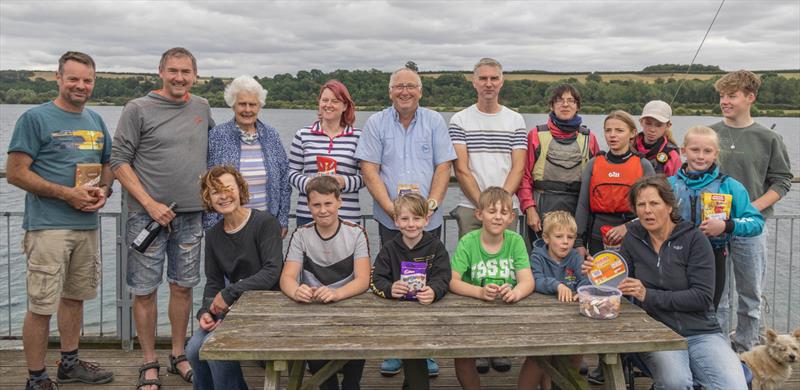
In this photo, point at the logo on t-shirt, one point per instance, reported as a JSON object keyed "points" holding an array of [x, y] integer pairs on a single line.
{"points": [[78, 139]]}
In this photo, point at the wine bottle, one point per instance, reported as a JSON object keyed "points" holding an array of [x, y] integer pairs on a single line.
{"points": [[148, 234]]}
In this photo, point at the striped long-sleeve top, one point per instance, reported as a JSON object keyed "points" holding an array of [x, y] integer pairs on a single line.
{"points": [[311, 142]]}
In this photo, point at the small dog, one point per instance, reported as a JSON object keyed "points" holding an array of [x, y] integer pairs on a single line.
{"points": [[771, 362]]}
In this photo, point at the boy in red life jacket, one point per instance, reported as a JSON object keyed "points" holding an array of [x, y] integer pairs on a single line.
{"points": [[552, 177]]}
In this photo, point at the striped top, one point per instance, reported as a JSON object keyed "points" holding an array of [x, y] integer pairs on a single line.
{"points": [[490, 139], [252, 168], [311, 142]]}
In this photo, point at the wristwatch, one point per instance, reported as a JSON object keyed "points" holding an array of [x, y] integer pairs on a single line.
{"points": [[433, 204]]}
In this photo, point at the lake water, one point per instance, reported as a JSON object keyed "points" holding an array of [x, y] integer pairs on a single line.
{"points": [[12, 262]]}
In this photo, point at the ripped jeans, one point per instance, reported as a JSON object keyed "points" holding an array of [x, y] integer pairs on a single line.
{"points": [[179, 244]]}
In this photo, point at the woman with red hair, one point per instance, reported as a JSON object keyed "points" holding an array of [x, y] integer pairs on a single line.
{"points": [[327, 147]]}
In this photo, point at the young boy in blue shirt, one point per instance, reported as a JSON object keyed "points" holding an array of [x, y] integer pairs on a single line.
{"points": [[556, 269]]}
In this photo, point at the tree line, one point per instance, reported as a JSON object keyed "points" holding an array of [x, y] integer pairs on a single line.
{"points": [[445, 91]]}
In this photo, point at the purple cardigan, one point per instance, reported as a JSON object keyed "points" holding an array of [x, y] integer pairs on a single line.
{"points": [[224, 148]]}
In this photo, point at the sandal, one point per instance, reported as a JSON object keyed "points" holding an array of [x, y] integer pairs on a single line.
{"points": [[173, 367], [141, 382]]}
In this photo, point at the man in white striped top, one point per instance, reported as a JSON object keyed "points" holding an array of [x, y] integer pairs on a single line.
{"points": [[490, 141]]}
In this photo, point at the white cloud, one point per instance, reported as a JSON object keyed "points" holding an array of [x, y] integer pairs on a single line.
{"points": [[265, 38]]}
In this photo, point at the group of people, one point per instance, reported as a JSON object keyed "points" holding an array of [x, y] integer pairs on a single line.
{"points": [[232, 182]]}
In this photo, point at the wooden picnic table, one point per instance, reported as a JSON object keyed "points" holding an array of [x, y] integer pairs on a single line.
{"points": [[266, 325]]}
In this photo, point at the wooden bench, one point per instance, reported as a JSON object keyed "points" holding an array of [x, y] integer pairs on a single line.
{"points": [[266, 325]]}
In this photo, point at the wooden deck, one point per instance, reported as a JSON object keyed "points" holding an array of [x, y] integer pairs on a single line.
{"points": [[125, 364]]}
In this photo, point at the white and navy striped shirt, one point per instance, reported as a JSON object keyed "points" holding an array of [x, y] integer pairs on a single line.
{"points": [[310, 142], [489, 138]]}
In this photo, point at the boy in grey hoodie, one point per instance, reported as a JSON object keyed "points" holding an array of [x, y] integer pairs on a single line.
{"points": [[556, 269]]}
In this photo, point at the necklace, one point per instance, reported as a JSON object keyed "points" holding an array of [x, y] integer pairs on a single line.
{"points": [[733, 139]]}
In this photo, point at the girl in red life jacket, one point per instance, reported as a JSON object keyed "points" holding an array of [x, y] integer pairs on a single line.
{"points": [[603, 199], [655, 142]]}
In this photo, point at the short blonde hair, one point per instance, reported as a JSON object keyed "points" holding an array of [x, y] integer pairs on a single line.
{"points": [[412, 202], [490, 196], [558, 220], [740, 80], [701, 131]]}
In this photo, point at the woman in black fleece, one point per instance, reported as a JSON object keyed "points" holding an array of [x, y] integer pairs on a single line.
{"points": [[672, 278], [243, 252]]}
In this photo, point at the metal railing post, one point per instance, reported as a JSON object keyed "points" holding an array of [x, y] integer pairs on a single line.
{"points": [[125, 328]]}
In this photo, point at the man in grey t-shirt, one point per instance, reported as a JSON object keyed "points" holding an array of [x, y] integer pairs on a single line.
{"points": [[159, 155]]}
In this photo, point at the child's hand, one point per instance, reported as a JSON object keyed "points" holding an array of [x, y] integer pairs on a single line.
{"points": [[304, 293], [399, 289], [712, 227], [564, 293], [586, 266], [509, 294], [426, 295], [325, 294], [489, 292]]}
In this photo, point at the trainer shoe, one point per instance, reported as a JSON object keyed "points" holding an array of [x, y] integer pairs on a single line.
{"points": [[500, 364], [433, 368], [85, 372], [482, 365], [391, 367], [596, 376], [46, 384]]}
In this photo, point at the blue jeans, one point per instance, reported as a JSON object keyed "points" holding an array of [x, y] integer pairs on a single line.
{"points": [[709, 361], [747, 257], [212, 374], [179, 244]]}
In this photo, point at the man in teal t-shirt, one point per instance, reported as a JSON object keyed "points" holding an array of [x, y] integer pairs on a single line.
{"points": [[59, 155]]}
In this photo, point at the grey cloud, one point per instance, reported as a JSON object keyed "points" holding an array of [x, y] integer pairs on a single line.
{"points": [[264, 38]]}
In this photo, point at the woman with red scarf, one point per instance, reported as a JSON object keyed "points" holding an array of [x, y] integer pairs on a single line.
{"points": [[558, 151]]}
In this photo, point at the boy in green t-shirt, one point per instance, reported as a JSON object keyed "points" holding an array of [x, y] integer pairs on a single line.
{"points": [[490, 263]]}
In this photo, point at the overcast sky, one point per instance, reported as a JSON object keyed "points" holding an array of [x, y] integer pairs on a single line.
{"points": [[264, 38]]}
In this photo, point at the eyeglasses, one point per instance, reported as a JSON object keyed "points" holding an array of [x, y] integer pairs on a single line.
{"points": [[406, 86], [568, 102]]}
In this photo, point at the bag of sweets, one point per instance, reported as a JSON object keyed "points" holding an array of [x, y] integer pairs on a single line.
{"points": [[413, 273]]}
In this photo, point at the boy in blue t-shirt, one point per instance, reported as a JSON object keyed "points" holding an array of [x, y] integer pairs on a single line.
{"points": [[556, 269], [490, 263]]}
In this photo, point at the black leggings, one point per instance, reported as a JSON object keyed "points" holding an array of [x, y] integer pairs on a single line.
{"points": [[719, 274]]}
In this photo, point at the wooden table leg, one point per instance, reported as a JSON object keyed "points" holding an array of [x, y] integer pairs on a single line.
{"points": [[612, 369], [562, 373], [272, 374], [331, 368], [297, 369]]}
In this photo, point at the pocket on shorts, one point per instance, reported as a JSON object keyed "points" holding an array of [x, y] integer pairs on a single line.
{"points": [[43, 283]]}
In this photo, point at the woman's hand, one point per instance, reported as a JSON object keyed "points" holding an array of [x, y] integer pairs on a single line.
{"points": [[399, 289], [565, 293], [533, 219], [207, 322], [712, 227], [615, 235], [586, 266], [218, 306], [633, 287]]}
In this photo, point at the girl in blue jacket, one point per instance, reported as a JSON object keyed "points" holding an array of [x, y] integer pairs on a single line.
{"points": [[700, 174]]}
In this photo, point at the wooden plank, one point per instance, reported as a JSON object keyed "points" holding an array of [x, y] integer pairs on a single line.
{"points": [[612, 370], [296, 371], [330, 368], [272, 377]]}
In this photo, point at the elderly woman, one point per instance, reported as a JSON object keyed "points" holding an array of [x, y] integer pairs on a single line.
{"points": [[671, 268], [254, 149], [327, 148], [243, 252]]}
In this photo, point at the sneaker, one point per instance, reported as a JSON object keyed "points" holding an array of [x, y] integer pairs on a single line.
{"points": [[596, 376], [482, 365], [85, 372], [433, 368], [391, 367], [500, 364], [46, 384]]}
